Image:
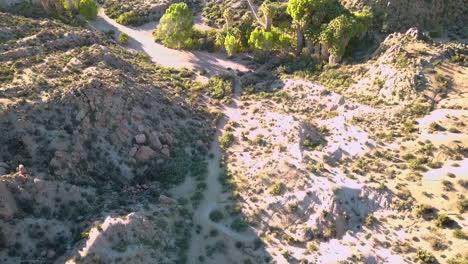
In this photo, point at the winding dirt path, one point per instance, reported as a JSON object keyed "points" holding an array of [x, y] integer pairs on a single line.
{"points": [[141, 39]]}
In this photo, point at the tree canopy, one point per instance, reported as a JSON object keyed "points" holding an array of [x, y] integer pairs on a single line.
{"points": [[340, 30], [176, 26], [88, 9]]}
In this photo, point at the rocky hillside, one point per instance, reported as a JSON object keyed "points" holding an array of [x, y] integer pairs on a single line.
{"points": [[371, 165], [85, 125], [400, 15]]}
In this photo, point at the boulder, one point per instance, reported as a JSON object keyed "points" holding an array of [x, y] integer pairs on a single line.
{"points": [[133, 151], [145, 153], [166, 200], [140, 139], [154, 140], [165, 150]]}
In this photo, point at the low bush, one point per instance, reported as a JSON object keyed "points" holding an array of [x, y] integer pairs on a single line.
{"points": [[462, 205], [277, 189], [226, 140], [216, 216], [370, 220], [124, 38], [239, 225], [221, 87], [423, 209], [444, 220], [132, 18], [458, 233], [6, 74], [425, 256]]}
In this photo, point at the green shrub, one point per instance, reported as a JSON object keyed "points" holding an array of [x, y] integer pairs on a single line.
{"points": [[370, 219], [226, 140], [458, 233], [311, 246], [132, 18], [425, 256], [239, 225], [6, 74], [434, 126], [88, 9], [277, 189], [259, 140], [418, 109], [444, 220], [216, 216], [423, 209], [124, 38], [462, 205], [221, 86], [458, 260]]}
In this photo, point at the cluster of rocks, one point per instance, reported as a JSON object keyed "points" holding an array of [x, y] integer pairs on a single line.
{"points": [[141, 151]]}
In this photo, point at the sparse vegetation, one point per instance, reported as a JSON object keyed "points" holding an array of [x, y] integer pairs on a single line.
{"points": [[216, 215], [226, 140], [444, 220], [277, 189], [124, 38]]}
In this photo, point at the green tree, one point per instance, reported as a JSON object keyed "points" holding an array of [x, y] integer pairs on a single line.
{"points": [[231, 44], [339, 31], [309, 16], [299, 10], [71, 5], [267, 12], [229, 17], [176, 26], [88, 9]]}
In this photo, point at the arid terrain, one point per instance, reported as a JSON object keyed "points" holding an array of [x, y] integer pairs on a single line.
{"points": [[131, 151]]}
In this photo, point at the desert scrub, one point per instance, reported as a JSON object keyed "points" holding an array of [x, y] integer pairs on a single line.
{"points": [[425, 256], [370, 220], [311, 145], [124, 38], [434, 126], [221, 87], [423, 209], [462, 205], [259, 140], [418, 109], [460, 234], [6, 74], [226, 140], [132, 18], [239, 225], [277, 189], [336, 78], [444, 220], [458, 260], [216, 215], [311, 247]]}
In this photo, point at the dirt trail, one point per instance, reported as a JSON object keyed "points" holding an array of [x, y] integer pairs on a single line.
{"points": [[142, 40]]}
